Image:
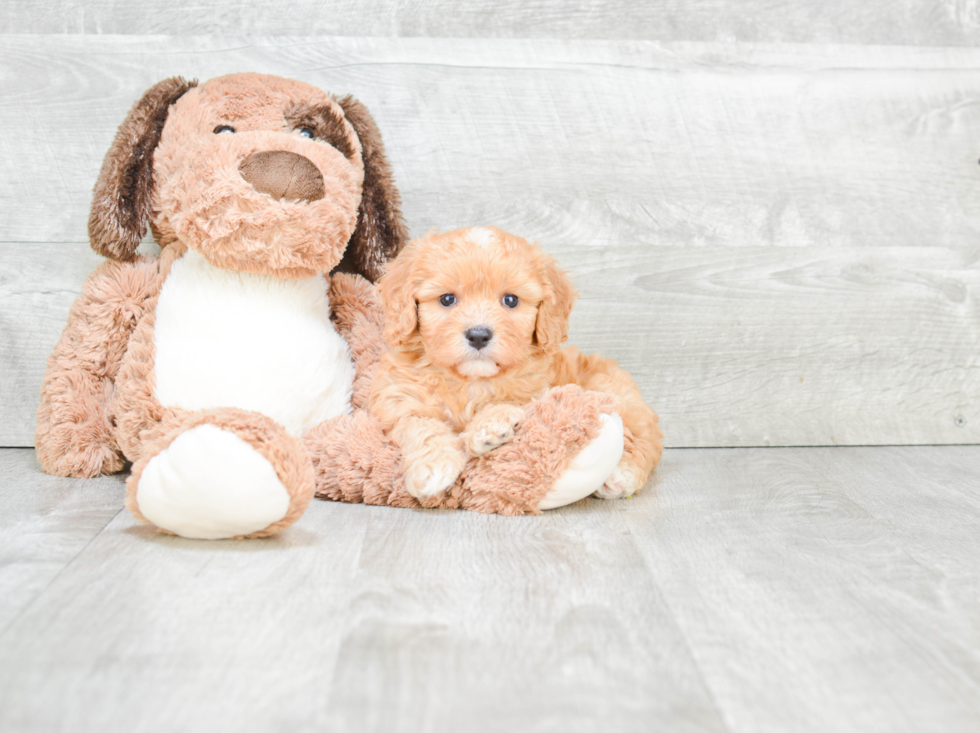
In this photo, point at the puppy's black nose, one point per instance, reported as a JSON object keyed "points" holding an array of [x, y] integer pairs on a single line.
{"points": [[478, 336]]}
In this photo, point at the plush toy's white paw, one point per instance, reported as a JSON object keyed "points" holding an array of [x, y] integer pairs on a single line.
{"points": [[623, 482], [590, 468], [434, 472], [497, 428], [210, 484]]}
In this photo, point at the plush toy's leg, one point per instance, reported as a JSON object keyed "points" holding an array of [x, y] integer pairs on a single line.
{"points": [[591, 468], [569, 443], [220, 474], [355, 461], [643, 439], [642, 451]]}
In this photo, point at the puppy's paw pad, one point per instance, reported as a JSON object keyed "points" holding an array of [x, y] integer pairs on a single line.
{"points": [[621, 484]]}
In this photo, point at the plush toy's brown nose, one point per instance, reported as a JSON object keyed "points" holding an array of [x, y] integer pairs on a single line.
{"points": [[283, 175]]}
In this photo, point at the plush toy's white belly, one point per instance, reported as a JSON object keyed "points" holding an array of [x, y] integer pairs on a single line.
{"points": [[231, 339]]}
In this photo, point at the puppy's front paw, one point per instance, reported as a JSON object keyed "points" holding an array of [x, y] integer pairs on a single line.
{"points": [[491, 428], [433, 473], [624, 482]]}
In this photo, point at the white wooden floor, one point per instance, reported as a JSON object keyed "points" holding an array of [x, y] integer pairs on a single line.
{"points": [[782, 589]]}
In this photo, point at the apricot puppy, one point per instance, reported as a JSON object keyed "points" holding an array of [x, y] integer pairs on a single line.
{"points": [[475, 320]]}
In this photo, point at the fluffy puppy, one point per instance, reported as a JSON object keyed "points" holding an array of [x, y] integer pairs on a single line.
{"points": [[475, 319]]}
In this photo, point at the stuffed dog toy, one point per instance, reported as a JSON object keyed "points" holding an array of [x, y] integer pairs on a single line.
{"points": [[475, 404], [206, 367]]}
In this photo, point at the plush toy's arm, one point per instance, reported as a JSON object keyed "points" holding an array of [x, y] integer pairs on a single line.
{"points": [[356, 311], [74, 429]]}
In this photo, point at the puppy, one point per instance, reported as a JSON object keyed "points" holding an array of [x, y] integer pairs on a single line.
{"points": [[475, 319]]}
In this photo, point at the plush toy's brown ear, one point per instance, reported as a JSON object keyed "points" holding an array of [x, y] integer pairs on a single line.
{"points": [[551, 328], [380, 232], [123, 192]]}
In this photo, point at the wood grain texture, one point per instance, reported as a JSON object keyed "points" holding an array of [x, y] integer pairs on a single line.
{"points": [[45, 522], [945, 23], [780, 242], [733, 346], [807, 346], [824, 589], [745, 590], [592, 142], [361, 619]]}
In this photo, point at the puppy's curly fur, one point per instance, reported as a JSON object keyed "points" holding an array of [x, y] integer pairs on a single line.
{"points": [[475, 320]]}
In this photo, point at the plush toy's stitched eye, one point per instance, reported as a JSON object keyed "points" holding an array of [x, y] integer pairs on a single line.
{"points": [[223, 128], [307, 133], [510, 300], [448, 299]]}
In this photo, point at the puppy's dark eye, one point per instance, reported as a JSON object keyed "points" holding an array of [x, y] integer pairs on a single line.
{"points": [[223, 128], [307, 133], [448, 299], [510, 300]]}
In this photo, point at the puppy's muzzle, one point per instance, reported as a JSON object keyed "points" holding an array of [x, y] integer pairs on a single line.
{"points": [[283, 175], [478, 336]]}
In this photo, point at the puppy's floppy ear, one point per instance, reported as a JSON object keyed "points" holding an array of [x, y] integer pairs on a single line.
{"points": [[551, 328], [397, 290], [380, 232], [123, 192]]}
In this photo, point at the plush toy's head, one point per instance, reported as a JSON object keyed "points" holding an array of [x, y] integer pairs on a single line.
{"points": [[257, 173], [477, 301]]}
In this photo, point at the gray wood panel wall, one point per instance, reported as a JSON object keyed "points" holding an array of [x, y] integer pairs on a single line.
{"points": [[780, 240], [911, 22]]}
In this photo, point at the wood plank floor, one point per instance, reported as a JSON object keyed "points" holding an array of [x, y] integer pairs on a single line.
{"points": [[745, 590]]}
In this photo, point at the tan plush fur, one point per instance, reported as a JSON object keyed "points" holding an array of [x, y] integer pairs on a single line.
{"points": [[356, 311], [288, 455], [137, 414], [215, 211], [442, 400], [193, 163], [75, 435], [514, 478], [355, 461]]}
